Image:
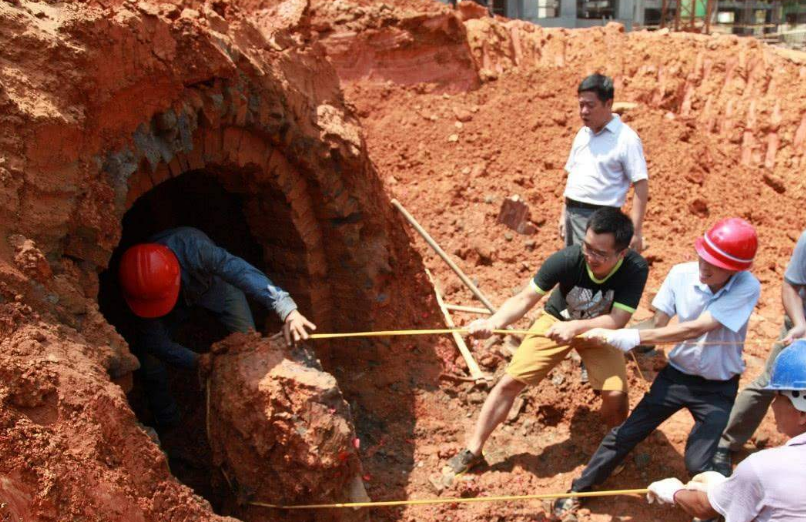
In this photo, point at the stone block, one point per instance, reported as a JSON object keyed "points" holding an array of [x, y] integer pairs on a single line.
{"points": [[514, 211], [195, 157], [183, 161], [139, 184], [252, 150], [174, 167], [276, 407], [212, 146]]}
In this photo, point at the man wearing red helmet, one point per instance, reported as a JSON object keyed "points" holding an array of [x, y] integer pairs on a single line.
{"points": [[713, 300], [181, 268]]}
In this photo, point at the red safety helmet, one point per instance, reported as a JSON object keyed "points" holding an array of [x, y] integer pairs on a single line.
{"points": [[150, 277], [730, 244]]}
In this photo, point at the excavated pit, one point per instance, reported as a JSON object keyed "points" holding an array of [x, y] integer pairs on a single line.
{"points": [[109, 107]]}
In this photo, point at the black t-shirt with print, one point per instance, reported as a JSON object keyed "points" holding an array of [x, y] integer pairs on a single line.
{"points": [[578, 296]]}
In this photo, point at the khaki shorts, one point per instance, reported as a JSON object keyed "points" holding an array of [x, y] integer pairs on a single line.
{"points": [[536, 356]]}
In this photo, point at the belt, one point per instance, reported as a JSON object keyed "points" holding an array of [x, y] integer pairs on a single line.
{"points": [[572, 203], [695, 380]]}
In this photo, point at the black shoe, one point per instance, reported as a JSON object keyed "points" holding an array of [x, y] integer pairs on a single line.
{"points": [[463, 461], [565, 506], [721, 462]]}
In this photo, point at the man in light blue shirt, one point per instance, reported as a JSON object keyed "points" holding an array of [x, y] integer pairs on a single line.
{"points": [[713, 300]]}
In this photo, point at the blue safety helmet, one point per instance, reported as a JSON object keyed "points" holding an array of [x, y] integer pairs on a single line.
{"points": [[789, 374]]}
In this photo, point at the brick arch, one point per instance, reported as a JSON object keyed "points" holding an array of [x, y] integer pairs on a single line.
{"points": [[247, 163]]}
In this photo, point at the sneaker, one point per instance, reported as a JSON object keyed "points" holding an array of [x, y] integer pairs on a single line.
{"points": [[565, 506], [583, 374], [722, 462], [463, 461]]}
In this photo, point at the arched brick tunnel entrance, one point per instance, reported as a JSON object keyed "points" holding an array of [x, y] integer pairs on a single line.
{"points": [[140, 102], [307, 231]]}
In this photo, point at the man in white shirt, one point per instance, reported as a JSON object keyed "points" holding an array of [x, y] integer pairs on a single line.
{"points": [[755, 399], [769, 485], [606, 158], [713, 300]]}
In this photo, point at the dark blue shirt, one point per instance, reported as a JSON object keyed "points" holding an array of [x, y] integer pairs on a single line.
{"points": [[204, 267]]}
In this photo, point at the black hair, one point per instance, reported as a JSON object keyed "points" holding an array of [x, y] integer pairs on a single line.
{"points": [[599, 84], [609, 220]]}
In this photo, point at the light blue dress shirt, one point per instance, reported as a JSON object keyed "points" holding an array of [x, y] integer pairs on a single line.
{"points": [[682, 294]]}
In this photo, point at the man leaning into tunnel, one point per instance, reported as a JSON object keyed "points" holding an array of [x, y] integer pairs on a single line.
{"points": [[181, 268]]}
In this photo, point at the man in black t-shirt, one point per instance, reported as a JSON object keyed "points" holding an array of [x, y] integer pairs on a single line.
{"points": [[596, 285]]}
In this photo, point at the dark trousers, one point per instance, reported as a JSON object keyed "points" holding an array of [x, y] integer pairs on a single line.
{"points": [[577, 215], [235, 316], [709, 402], [753, 402]]}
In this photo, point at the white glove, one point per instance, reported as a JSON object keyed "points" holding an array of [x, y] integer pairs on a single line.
{"points": [[705, 481], [625, 339], [663, 491]]}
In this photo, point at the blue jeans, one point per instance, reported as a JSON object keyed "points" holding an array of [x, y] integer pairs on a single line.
{"points": [[235, 316]]}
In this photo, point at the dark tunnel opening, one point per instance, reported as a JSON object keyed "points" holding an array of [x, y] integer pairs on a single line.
{"points": [[195, 199]]}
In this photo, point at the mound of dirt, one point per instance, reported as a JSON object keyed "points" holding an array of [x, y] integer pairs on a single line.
{"points": [[281, 431], [722, 128], [101, 105]]}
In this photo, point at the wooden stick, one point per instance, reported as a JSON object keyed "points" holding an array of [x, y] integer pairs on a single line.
{"points": [[474, 369], [441, 253], [459, 378], [468, 309]]}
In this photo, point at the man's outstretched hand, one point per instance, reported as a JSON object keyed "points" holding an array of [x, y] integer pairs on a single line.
{"points": [[296, 328]]}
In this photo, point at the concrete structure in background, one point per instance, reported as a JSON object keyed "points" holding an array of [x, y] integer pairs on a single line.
{"points": [[569, 13], [758, 18]]}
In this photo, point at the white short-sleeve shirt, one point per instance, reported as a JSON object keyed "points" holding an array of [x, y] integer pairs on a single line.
{"points": [[602, 166], [768, 486], [682, 294]]}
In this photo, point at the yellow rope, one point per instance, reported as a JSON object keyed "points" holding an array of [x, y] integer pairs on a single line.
{"points": [[439, 331], [420, 502]]}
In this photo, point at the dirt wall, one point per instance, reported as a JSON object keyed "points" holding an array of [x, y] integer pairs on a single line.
{"points": [[100, 104]]}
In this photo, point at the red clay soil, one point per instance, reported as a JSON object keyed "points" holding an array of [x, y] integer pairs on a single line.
{"points": [[281, 432], [100, 104], [450, 115], [722, 122]]}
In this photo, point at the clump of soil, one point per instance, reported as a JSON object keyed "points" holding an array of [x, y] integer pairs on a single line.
{"points": [[317, 113]]}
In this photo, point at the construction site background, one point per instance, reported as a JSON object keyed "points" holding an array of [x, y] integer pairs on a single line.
{"points": [[777, 22]]}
